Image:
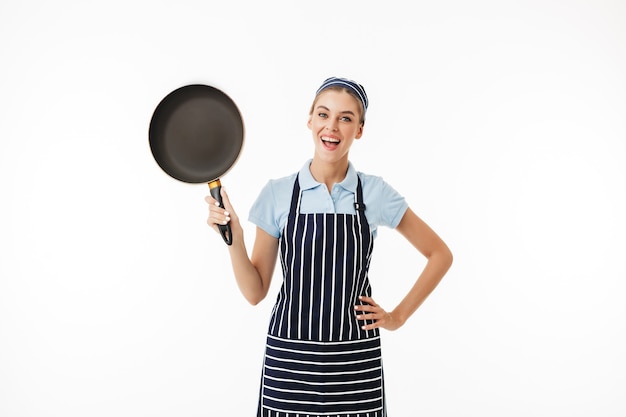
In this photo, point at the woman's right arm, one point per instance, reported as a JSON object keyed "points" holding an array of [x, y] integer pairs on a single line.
{"points": [[253, 274]]}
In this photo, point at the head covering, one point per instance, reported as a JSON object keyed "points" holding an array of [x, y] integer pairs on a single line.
{"points": [[356, 88]]}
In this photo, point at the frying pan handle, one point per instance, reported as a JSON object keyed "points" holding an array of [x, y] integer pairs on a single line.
{"points": [[215, 187]]}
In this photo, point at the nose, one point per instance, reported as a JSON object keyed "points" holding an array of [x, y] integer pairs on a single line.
{"points": [[331, 125]]}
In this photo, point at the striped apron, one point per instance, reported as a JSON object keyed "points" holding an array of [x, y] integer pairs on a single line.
{"points": [[318, 361]]}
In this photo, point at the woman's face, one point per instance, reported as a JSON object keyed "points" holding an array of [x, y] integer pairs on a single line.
{"points": [[335, 124]]}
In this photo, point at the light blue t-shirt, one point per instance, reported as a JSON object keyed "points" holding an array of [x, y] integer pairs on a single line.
{"points": [[384, 206]]}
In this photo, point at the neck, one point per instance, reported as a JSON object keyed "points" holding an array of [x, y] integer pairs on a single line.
{"points": [[328, 173]]}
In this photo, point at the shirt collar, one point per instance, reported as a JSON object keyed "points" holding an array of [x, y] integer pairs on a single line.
{"points": [[307, 181]]}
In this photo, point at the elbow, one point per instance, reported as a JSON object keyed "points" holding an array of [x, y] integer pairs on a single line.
{"points": [[443, 257], [255, 299], [448, 257]]}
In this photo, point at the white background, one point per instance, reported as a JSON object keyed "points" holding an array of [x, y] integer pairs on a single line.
{"points": [[502, 122]]}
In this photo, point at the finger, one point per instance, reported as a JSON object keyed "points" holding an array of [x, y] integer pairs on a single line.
{"points": [[368, 300], [366, 317], [372, 325], [225, 199], [214, 205], [378, 314], [362, 308], [219, 216], [216, 210], [369, 306], [367, 312], [381, 322]]}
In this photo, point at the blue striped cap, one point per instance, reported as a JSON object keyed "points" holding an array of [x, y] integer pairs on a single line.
{"points": [[356, 88]]}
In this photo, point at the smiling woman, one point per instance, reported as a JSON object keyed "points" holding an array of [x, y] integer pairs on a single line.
{"points": [[323, 352]]}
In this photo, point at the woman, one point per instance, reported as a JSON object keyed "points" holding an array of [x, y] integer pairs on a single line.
{"points": [[323, 353]]}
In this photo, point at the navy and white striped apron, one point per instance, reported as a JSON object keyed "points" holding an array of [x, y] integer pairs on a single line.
{"points": [[318, 361]]}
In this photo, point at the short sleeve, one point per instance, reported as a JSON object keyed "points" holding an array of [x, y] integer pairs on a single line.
{"points": [[395, 206], [384, 205], [263, 211]]}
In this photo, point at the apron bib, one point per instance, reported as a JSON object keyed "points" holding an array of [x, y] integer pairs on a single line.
{"points": [[318, 361]]}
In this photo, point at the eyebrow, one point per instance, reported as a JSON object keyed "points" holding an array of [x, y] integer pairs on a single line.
{"points": [[342, 112]]}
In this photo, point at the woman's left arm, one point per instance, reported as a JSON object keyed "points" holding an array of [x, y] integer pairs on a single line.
{"points": [[439, 257]]}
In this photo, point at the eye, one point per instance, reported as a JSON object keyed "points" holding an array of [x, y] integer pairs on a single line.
{"points": [[346, 119], [322, 115]]}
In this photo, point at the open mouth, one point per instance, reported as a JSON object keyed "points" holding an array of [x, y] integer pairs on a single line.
{"points": [[330, 143]]}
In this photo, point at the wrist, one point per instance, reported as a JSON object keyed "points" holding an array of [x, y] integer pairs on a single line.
{"points": [[399, 316]]}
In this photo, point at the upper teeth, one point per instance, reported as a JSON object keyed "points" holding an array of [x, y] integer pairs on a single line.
{"points": [[330, 139]]}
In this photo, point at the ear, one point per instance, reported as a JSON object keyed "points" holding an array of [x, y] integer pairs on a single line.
{"points": [[359, 132], [309, 121]]}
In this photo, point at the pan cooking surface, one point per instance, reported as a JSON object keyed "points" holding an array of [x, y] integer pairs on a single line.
{"points": [[196, 133]]}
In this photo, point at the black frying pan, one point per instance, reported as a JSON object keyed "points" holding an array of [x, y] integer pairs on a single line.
{"points": [[196, 135]]}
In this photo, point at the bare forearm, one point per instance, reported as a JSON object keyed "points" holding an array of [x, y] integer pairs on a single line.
{"points": [[247, 276], [436, 267]]}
